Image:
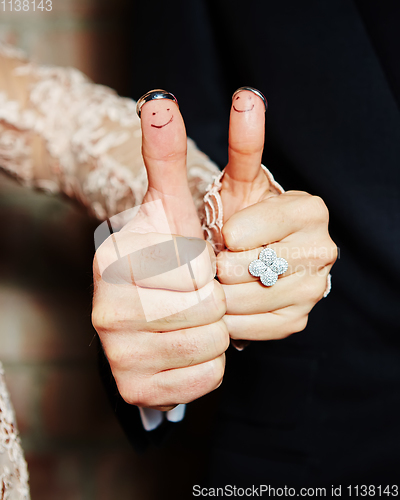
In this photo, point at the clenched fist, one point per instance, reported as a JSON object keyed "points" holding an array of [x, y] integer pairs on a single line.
{"points": [[157, 307]]}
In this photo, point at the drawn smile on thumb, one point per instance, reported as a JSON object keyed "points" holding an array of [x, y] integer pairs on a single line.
{"points": [[161, 119], [246, 101]]}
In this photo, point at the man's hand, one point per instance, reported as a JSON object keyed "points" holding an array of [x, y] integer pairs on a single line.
{"points": [[294, 224], [157, 308]]}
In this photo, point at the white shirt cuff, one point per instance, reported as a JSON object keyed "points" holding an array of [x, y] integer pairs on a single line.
{"points": [[151, 419], [176, 414]]}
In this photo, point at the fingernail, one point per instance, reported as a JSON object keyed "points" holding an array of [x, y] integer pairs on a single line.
{"points": [[151, 95], [241, 109]]}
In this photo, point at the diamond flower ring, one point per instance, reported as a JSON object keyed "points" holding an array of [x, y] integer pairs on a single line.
{"points": [[268, 267]]}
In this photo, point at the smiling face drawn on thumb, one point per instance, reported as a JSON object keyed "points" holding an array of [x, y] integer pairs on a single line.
{"points": [[162, 117], [246, 135], [164, 145], [243, 102]]}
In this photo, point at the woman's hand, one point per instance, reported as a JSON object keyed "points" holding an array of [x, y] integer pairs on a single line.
{"points": [[294, 224]]}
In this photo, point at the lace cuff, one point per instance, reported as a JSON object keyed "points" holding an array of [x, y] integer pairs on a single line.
{"points": [[213, 216], [13, 468]]}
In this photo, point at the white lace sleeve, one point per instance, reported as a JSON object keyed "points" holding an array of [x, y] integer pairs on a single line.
{"points": [[62, 133], [13, 469]]}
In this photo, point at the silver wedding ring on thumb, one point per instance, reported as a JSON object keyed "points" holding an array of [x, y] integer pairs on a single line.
{"points": [[255, 91], [154, 94]]}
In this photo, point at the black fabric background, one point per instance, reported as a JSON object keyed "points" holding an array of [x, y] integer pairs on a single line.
{"points": [[323, 406]]}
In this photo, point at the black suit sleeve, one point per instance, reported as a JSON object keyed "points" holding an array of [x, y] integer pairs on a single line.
{"points": [[128, 415]]}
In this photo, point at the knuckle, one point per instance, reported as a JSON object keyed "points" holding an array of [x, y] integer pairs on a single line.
{"points": [[310, 290], [230, 266], [220, 299], [153, 392], [226, 268], [294, 324], [96, 318], [317, 291], [115, 355], [217, 370], [311, 210], [219, 337], [318, 208], [209, 341], [147, 393], [221, 264], [284, 334], [102, 318], [194, 385], [107, 318], [232, 234], [133, 393], [300, 324], [222, 336], [333, 252], [128, 356], [212, 259], [210, 379], [312, 287], [216, 306], [324, 253], [140, 399]]}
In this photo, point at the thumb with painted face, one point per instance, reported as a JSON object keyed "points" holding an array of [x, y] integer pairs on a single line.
{"points": [[164, 148], [244, 182], [257, 213]]}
